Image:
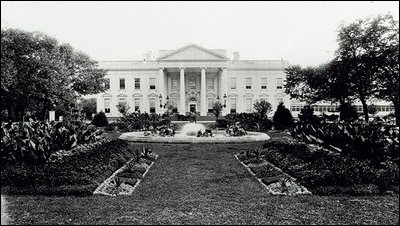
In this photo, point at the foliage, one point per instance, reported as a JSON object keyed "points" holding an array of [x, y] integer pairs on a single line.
{"points": [[262, 108], [328, 173], [88, 107], [348, 112], [282, 119], [78, 174], [123, 108], [100, 119], [306, 115], [235, 130], [250, 121], [217, 109], [39, 74], [372, 141], [33, 142]]}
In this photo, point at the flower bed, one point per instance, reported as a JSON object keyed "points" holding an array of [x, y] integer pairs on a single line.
{"points": [[326, 172], [77, 174], [127, 178], [274, 179]]}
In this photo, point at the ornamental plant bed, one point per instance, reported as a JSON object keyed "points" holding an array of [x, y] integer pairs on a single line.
{"points": [[272, 178], [127, 178], [76, 174], [325, 172]]}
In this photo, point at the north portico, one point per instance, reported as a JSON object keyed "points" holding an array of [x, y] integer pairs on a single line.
{"points": [[191, 79]]}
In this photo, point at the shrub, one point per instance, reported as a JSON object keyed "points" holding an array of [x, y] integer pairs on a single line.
{"points": [[222, 123], [348, 112], [306, 115], [100, 119], [282, 119], [217, 108]]}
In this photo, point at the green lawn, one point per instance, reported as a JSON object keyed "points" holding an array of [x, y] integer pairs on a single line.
{"points": [[202, 184]]}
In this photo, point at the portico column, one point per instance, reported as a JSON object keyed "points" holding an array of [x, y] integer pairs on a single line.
{"points": [[182, 109], [224, 83], [203, 111]]}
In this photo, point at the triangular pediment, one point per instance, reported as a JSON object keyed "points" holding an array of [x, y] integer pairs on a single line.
{"points": [[192, 52]]}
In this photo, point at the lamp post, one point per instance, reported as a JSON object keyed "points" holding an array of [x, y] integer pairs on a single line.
{"points": [[160, 97], [225, 100]]}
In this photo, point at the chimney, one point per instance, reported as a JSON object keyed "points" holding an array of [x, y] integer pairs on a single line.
{"points": [[236, 56], [148, 56]]}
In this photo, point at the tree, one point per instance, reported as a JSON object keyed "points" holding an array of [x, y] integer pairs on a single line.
{"points": [[89, 107], [100, 119], [123, 108], [369, 49], [348, 112], [306, 114], [282, 119], [38, 74], [217, 109], [262, 108]]}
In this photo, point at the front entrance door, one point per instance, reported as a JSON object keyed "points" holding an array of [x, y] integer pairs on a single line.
{"points": [[192, 108]]}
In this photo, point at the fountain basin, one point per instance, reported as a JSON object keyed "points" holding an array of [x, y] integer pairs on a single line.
{"points": [[218, 137]]}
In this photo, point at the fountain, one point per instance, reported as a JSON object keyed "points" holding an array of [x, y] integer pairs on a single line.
{"points": [[189, 134]]}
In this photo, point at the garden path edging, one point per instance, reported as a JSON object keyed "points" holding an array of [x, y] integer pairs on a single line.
{"points": [[106, 182], [270, 191]]}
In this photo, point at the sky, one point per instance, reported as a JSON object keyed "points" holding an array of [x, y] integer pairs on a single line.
{"points": [[303, 33]]}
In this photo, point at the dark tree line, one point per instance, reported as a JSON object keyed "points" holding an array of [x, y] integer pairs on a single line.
{"points": [[39, 74], [366, 66]]}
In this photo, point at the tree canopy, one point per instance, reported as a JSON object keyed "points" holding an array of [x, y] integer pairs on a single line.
{"points": [[366, 66], [40, 74]]}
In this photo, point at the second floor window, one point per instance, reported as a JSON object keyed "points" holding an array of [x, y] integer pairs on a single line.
{"points": [[137, 83], [174, 84], [121, 83], [210, 83], [248, 83], [152, 83], [279, 83], [233, 83], [263, 83]]}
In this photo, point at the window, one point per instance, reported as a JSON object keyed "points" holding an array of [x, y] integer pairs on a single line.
{"points": [[137, 83], [107, 83], [174, 103], [233, 83], [279, 83], [121, 83], [192, 83], [233, 105], [107, 105], [152, 82], [249, 105], [174, 85], [136, 103], [210, 102], [263, 83], [248, 83], [152, 105], [121, 100], [210, 83]]}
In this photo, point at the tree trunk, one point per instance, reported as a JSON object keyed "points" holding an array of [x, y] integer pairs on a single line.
{"points": [[365, 108]]}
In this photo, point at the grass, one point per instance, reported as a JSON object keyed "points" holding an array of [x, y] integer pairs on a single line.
{"points": [[202, 184]]}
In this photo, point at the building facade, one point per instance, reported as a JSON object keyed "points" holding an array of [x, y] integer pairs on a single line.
{"points": [[192, 79]]}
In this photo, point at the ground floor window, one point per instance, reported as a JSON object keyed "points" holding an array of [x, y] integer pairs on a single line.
{"points": [[107, 103], [153, 105], [210, 102], [249, 105], [136, 104], [233, 105]]}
